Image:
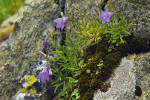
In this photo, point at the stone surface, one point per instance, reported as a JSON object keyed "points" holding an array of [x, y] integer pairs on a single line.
{"points": [[142, 75], [128, 76], [19, 54], [138, 13], [122, 84]]}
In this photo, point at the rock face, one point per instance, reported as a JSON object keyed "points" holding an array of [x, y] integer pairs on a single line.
{"points": [[138, 13], [130, 80], [122, 84], [19, 54], [142, 76]]}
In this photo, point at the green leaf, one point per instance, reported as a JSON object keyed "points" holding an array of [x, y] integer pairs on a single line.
{"points": [[57, 85], [100, 64], [72, 80], [77, 73], [88, 71], [76, 94], [97, 72], [109, 49]]}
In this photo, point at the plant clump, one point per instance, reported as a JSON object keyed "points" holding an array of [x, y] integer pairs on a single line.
{"points": [[82, 64]]}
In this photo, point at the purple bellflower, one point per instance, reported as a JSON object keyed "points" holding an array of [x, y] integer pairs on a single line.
{"points": [[45, 44], [105, 16], [44, 75], [61, 22]]}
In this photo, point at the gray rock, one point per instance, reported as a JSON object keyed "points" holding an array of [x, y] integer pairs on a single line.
{"points": [[131, 80], [138, 14], [142, 76], [13, 18], [19, 54], [122, 83]]}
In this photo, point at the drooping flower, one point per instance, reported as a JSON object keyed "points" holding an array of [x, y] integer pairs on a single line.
{"points": [[61, 22], [41, 53], [96, 10], [105, 16], [45, 44], [52, 31], [44, 75], [74, 6]]}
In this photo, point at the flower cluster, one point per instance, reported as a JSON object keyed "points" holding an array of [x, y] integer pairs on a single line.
{"points": [[44, 75], [70, 56], [61, 23]]}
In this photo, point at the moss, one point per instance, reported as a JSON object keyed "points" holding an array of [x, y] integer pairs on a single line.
{"points": [[135, 4], [32, 92], [87, 96], [17, 49], [90, 82], [105, 87]]}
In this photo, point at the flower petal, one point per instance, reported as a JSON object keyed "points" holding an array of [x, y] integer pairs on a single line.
{"points": [[45, 44], [105, 16], [61, 22]]}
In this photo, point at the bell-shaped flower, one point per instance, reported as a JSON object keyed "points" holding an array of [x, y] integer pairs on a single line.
{"points": [[61, 22], [45, 44], [44, 75], [96, 10], [105, 16]]}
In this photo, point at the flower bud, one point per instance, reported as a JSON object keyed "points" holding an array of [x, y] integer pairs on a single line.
{"points": [[41, 53], [53, 31], [52, 58], [62, 14], [96, 10], [87, 16], [50, 30], [74, 6], [45, 45]]}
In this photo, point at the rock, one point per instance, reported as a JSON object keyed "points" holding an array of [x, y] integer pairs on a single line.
{"points": [[5, 32], [130, 80], [122, 83], [11, 20], [7, 26], [19, 54], [142, 76], [138, 14]]}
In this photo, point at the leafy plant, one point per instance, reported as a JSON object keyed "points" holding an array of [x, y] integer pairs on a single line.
{"points": [[95, 32], [70, 59]]}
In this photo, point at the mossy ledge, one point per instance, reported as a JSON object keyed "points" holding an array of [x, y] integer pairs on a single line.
{"points": [[88, 83]]}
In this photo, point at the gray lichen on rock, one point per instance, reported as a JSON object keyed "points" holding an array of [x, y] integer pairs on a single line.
{"points": [[142, 73], [19, 54], [138, 13], [122, 84]]}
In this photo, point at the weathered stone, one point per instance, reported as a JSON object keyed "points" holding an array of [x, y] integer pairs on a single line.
{"points": [[127, 77], [19, 54], [142, 76], [138, 14], [122, 83]]}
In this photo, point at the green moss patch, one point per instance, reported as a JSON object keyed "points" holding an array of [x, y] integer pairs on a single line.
{"points": [[88, 83]]}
